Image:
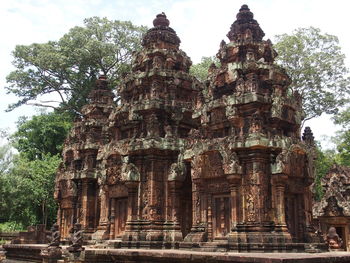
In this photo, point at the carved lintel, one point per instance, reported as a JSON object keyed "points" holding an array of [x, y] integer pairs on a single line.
{"points": [[279, 179], [234, 179]]}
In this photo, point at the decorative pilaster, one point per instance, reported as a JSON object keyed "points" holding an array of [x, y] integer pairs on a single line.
{"points": [[174, 198], [199, 228], [132, 200], [279, 181], [196, 203], [84, 204], [112, 218], [235, 182]]}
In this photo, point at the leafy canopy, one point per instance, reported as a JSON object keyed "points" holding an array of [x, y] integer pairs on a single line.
{"points": [[27, 179], [200, 70], [325, 160], [26, 191], [315, 63], [68, 67], [342, 138], [43, 134]]}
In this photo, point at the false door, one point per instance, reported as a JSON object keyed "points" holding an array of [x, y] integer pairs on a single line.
{"points": [[221, 220], [121, 211]]}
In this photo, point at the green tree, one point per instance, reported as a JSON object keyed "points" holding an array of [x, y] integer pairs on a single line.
{"points": [[27, 191], [315, 63], [343, 148], [68, 67], [6, 153], [42, 134], [200, 70], [323, 163], [27, 185], [342, 138], [6, 158]]}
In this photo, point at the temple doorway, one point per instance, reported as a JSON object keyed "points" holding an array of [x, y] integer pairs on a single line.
{"points": [[221, 216], [341, 233], [121, 212], [294, 216], [186, 203]]}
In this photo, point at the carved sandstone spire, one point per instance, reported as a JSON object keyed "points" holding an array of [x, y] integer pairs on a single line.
{"points": [[308, 136], [161, 20], [245, 27], [161, 35]]}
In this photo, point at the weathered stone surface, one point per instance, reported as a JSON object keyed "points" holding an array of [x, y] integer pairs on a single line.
{"points": [[218, 165], [34, 235], [332, 212], [20, 252], [24, 252], [76, 241]]}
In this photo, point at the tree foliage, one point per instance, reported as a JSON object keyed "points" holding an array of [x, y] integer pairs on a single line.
{"points": [[342, 138], [200, 70], [27, 184], [41, 135], [315, 63], [323, 163], [27, 191], [6, 156], [68, 67]]}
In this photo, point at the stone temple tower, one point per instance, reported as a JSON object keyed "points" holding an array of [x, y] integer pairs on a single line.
{"points": [[251, 169], [148, 134], [180, 163]]}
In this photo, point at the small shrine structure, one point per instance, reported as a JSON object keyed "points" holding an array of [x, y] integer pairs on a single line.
{"points": [[332, 212]]}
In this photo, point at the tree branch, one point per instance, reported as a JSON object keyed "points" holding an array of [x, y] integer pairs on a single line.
{"points": [[41, 105]]}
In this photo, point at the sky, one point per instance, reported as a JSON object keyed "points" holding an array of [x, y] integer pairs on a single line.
{"points": [[200, 24]]}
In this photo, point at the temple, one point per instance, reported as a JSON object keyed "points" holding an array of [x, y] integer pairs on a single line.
{"points": [[183, 164]]}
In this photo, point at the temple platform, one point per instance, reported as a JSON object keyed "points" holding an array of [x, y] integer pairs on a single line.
{"points": [[31, 253]]}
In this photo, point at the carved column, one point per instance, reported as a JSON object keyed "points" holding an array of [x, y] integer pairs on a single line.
{"points": [[77, 204], [112, 216], [173, 204], [174, 200], [131, 178], [235, 182], [84, 204], [234, 205], [256, 193], [199, 230], [204, 205], [280, 208], [210, 218], [103, 206], [196, 202], [132, 200], [104, 211], [154, 197], [279, 181]]}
